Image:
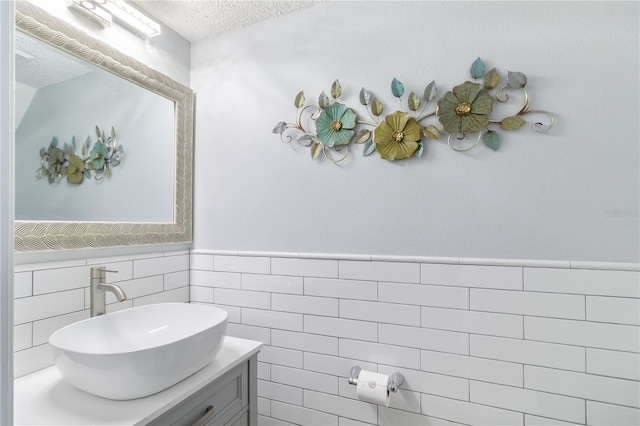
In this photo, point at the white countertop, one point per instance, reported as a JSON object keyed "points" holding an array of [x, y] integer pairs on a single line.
{"points": [[44, 398]]}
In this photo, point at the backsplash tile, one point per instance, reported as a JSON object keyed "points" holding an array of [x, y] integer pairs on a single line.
{"points": [[254, 265], [535, 304], [380, 271], [320, 268], [54, 280], [599, 414], [473, 322], [625, 365], [499, 277], [48, 305], [483, 342], [23, 284], [588, 386], [215, 279], [528, 352], [380, 353], [160, 265], [469, 413], [339, 327], [272, 283], [425, 295], [380, 312], [343, 289], [305, 304], [305, 379], [272, 319], [583, 333], [613, 309], [487, 370], [583, 281], [529, 401], [424, 338]]}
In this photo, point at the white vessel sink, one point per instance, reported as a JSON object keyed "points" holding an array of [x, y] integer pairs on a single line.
{"points": [[139, 351]]}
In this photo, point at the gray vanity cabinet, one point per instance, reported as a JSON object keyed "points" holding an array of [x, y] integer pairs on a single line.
{"points": [[228, 401]]}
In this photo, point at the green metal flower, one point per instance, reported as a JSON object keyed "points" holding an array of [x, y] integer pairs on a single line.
{"points": [[466, 109], [335, 125], [75, 170], [397, 137], [98, 155]]}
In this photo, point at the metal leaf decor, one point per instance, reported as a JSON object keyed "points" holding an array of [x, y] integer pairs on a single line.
{"points": [[376, 107], [512, 123], [305, 140], [516, 80], [414, 102], [492, 140], [402, 134], [280, 127], [323, 100], [397, 88], [431, 132], [365, 97], [430, 91], [363, 136], [477, 68], [336, 89], [369, 148], [299, 102], [492, 79]]}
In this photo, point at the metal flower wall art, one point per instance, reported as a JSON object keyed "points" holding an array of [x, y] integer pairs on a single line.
{"points": [[402, 134], [93, 162]]}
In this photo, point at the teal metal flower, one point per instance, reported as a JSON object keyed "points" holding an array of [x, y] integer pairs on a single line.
{"points": [[335, 125], [98, 156]]}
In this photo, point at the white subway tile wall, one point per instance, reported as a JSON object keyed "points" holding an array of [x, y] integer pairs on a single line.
{"points": [[52, 295], [488, 343], [478, 344]]}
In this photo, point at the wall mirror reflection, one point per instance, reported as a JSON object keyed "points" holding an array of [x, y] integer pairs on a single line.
{"points": [[63, 98], [103, 143]]}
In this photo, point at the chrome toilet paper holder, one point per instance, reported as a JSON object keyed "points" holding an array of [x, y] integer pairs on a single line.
{"points": [[395, 380]]}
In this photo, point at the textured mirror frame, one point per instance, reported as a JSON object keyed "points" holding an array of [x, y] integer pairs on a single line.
{"points": [[38, 236]]}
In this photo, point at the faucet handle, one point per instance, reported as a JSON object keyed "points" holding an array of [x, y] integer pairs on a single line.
{"points": [[99, 272]]}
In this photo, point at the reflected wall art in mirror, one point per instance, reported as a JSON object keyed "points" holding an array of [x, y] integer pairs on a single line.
{"points": [[69, 87]]}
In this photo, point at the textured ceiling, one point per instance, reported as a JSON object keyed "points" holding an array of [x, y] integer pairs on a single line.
{"points": [[197, 20], [39, 65]]}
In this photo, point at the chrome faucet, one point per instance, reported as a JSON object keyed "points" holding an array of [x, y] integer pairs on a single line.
{"points": [[99, 287]]}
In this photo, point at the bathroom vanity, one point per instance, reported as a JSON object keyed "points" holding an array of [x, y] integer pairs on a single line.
{"points": [[222, 393]]}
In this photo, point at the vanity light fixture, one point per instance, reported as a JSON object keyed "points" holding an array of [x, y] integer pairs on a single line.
{"points": [[91, 11], [102, 12], [130, 16]]}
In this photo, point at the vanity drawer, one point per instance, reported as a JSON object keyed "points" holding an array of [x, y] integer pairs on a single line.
{"points": [[228, 396]]}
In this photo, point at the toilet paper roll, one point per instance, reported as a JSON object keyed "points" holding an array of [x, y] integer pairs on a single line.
{"points": [[372, 387]]}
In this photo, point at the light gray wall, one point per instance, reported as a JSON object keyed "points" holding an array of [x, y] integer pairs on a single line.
{"points": [[571, 194], [140, 189]]}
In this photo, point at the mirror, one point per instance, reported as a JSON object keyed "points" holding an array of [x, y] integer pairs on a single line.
{"points": [[63, 97], [139, 197]]}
